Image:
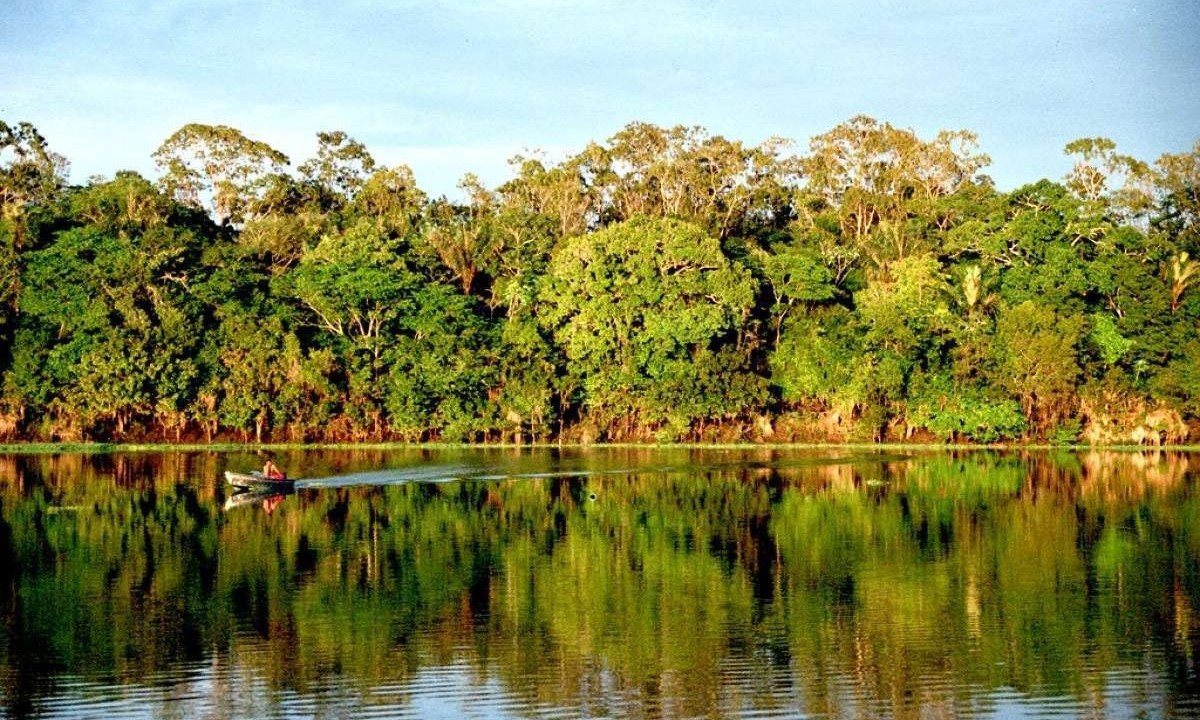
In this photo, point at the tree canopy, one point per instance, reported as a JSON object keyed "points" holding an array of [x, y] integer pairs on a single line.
{"points": [[664, 284]]}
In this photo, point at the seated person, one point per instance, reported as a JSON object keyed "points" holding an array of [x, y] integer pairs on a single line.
{"points": [[271, 472]]}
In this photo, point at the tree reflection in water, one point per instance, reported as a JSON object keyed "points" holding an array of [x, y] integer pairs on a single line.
{"points": [[704, 583]]}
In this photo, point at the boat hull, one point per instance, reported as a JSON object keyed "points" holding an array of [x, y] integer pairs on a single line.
{"points": [[256, 481]]}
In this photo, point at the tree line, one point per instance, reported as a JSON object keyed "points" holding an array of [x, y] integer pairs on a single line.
{"points": [[667, 284]]}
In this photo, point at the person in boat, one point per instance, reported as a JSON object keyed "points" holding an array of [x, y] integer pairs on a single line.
{"points": [[271, 472]]}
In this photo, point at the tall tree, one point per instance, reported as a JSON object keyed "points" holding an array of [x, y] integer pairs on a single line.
{"points": [[460, 235], [391, 199], [30, 173], [686, 173], [636, 306], [568, 193], [1107, 179], [217, 160], [341, 166], [1177, 211], [878, 177]]}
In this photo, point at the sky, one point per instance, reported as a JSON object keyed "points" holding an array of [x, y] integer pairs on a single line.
{"points": [[455, 87]]}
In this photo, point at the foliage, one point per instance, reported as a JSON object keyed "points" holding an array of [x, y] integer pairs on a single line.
{"points": [[1108, 339], [663, 284], [956, 413], [816, 357], [639, 309], [218, 160]]}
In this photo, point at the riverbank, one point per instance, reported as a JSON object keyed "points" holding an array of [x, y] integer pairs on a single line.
{"points": [[104, 448]]}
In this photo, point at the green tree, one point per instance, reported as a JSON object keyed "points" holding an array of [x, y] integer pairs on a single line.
{"points": [[460, 236], [201, 159], [30, 173], [391, 199], [1036, 356], [109, 327], [287, 220], [341, 166], [1106, 180], [796, 276], [565, 193], [441, 369], [884, 183], [355, 289], [1177, 210], [906, 311], [684, 172], [634, 304], [254, 358], [816, 357]]}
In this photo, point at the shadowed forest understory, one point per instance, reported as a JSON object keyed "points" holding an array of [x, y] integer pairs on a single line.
{"points": [[667, 284]]}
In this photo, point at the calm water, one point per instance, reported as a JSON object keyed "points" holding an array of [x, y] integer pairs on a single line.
{"points": [[617, 583]]}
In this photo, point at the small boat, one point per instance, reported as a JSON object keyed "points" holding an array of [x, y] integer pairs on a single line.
{"points": [[257, 481]]}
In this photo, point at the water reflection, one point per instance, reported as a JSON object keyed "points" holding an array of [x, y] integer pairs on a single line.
{"points": [[588, 583], [267, 500]]}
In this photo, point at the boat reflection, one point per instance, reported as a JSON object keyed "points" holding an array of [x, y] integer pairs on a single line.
{"points": [[267, 500]]}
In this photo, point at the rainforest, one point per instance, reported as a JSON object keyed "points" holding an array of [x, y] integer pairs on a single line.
{"points": [[664, 285]]}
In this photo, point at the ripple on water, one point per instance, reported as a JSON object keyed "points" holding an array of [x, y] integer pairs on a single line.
{"points": [[187, 692], [748, 687], [450, 690]]}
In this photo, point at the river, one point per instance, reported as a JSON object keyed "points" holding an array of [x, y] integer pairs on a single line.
{"points": [[619, 582]]}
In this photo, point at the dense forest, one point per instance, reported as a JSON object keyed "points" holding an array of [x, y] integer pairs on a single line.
{"points": [[667, 284]]}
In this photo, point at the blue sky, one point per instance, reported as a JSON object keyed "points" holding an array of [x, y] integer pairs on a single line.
{"points": [[455, 87]]}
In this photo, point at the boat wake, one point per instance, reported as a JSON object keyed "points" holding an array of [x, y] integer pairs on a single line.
{"points": [[446, 473], [442, 473]]}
